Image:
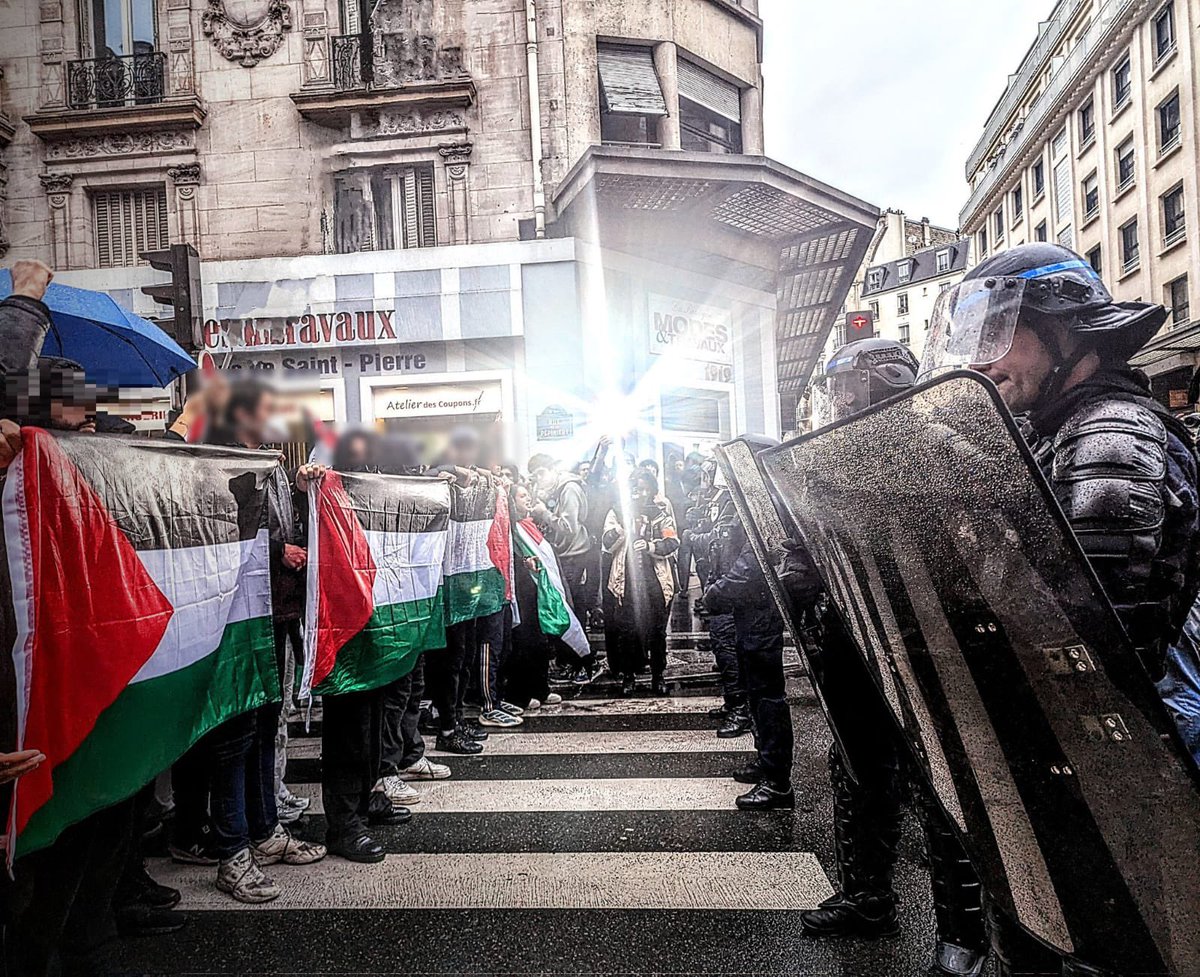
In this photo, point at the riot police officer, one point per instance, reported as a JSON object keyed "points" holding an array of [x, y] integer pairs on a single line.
{"points": [[1039, 323], [867, 763], [714, 526]]}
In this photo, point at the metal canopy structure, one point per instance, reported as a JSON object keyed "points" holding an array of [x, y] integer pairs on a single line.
{"points": [[743, 219]]}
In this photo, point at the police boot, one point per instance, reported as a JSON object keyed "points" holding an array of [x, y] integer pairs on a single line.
{"points": [[962, 940], [865, 847], [736, 724], [1017, 953]]}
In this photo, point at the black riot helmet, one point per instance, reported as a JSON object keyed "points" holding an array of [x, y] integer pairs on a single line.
{"points": [[1043, 286], [863, 373]]}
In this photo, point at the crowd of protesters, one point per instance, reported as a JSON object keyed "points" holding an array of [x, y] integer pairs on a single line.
{"points": [[626, 539]]}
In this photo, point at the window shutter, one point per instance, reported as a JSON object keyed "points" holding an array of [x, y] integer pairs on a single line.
{"points": [[715, 94], [628, 81], [425, 200], [1063, 208], [127, 222], [411, 221], [1066, 237]]}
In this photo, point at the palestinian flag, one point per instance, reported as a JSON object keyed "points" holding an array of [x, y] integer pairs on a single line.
{"points": [[478, 551], [138, 573], [376, 544], [555, 616]]}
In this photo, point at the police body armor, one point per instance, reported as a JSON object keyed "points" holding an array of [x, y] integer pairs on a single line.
{"points": [[972, 607]]}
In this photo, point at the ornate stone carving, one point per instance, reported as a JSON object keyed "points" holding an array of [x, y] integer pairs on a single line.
{"points": [[247, 31], [186, 174], [57, 185], [119, 144], [414, 121], [406, 48], [457, 155]]}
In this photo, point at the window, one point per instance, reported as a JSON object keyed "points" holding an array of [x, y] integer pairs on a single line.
{"points": [[904, 271], [875, 278], [1059, 145], [1177, 300], [1164, 32], [1125, 164], [1174, 223], [1087, 122], [942, 286], [385, 209], [1018, 204], [942, 259], [905, 334], [1122, 83], [874, 307], [1130, 250], [1040, 232], [1094, 258], [1039, 179], [1169, 125], [983, 242], [1091, 196], [121, 28], [121, 65], [127, 222], [710, 111], [902, 303], [1064, 193], [631, 99], [998, 224]]}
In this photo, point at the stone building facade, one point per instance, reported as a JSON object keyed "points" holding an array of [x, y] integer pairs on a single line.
{"points": [[1094, 144], [489, 175]]}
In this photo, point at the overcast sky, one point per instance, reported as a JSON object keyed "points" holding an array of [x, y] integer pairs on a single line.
{"points": [[885, 98]]}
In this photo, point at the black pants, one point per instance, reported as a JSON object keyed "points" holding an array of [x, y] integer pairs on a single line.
{"points": [[760, 667], [351, 750], [723, 631], [57, 911], [402, 743], [491, 643], [577, 573], [445, 674]]}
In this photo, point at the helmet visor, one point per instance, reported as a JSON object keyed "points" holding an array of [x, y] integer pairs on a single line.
{"points": [[973, 324]]}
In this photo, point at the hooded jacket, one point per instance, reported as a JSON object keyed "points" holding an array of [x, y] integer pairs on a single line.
{"points": [[564, 521]]}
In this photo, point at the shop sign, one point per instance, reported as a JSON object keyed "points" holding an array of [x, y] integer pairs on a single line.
{"points": [[325, 330], [333, 363], [555, 423], [438, 400], [690, 330]]}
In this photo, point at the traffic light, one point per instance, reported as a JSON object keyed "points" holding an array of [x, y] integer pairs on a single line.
{"points": [[181, 293]]}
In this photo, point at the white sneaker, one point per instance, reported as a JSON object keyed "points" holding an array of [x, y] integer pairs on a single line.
{"points": [[241, 877], [553, 699], [282, 847], [425, 769], [500, 718], [534, 705], [401, 794], [511, 709]]}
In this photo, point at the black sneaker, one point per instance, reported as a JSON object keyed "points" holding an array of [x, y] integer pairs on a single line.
{"points": [[767, 797], [359, 848], [458, 742], [582, 676], [474, 731], [137, 888], [736, 724], [869, 917], [427, 722], [193, 853]]}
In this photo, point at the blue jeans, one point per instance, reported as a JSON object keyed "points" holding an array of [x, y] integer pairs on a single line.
{"points": [[242, 784], [1179, 688]]}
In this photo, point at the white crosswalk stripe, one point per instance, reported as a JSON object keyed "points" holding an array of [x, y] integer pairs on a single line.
{"points": [[438, 877]]}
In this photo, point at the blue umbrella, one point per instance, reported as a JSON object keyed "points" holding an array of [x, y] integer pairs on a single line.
{"points": [[115, 348]]}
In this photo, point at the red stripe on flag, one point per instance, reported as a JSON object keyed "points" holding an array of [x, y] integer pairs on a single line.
{"points": [[345, 575], [531, 530], [499, 541], [98, 615]]}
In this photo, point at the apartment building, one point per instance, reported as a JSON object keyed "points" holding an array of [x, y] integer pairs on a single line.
{"points": [[469, 210], [1094, 145]]}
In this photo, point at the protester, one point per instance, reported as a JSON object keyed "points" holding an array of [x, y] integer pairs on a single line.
{"points": [[640, 585]]}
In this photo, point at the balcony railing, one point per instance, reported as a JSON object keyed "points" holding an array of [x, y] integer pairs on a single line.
{"points": [[109, 82], [347, 61]]}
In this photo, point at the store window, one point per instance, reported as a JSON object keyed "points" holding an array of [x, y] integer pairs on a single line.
{"points": [[631, 98], [1177, 301], [1169, 123], [1173, 216], [385, 209], [710, 111], [127, 222]]}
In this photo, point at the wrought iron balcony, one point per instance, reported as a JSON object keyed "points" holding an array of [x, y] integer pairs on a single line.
{"points": [[109, 82]]}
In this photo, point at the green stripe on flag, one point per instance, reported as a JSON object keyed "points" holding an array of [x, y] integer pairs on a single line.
{"points": [[388, 646], [474, 593], [140, 735]]}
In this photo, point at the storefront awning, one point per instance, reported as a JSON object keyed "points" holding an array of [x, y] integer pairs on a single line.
{"points": [[629, 82], [741, 219]]}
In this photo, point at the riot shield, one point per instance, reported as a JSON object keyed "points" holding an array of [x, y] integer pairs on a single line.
{"points": [[1025, 706]]}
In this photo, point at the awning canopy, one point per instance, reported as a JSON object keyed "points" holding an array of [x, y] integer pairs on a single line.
{"points": [[742, 219], [628, 82]]}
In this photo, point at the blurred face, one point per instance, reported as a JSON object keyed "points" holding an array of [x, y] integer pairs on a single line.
{"points": [[1020, 373], [72, 417], [522, 502], [585, 469], [357, 452], [256, 425], [641, 493]]}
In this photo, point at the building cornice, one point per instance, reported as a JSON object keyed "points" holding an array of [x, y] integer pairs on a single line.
{"points": [[187, 113]]}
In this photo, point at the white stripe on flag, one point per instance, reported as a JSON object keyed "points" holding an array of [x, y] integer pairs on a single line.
{"points": [[409, 565], [466, 546], [20, 571], [574, 637], [209, 587]]}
